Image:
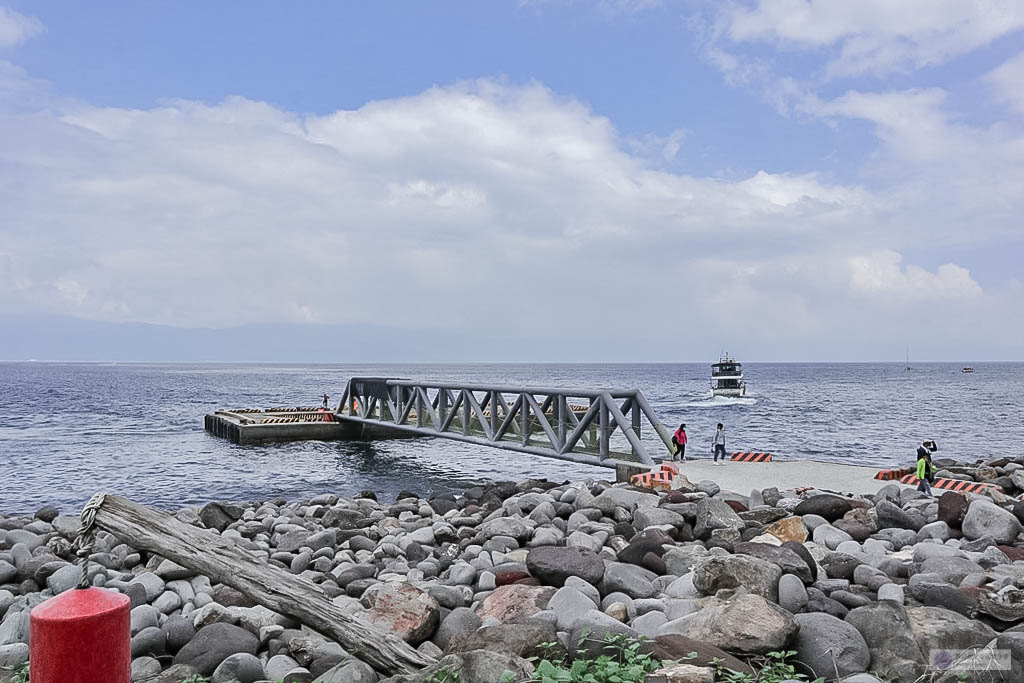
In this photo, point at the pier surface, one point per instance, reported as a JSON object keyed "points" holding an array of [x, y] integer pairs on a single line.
{"points": [[256, 426], [741, 477]]}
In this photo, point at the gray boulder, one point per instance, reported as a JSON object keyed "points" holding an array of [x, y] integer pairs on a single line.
{"points": [[885, 627], [522, 640], [478, 666], [713, 514], [179, 631], [792, 594], [610, 499], [142, 668], [782, 557], [937, 628], [13, 656], [636, 582], [351, 671], [827, 505], [15, 628], [830, 646], [552, 565], [950, 569], [149, 641], [569, 604], [930, 589], [829, 536], [715, 572], [213, 644], [893, 516], [142, 617], [934, 530], [681, 559], [985, 518], [589, 631], [65, 578], [514, 527], [278, 666], [238, 668], [747, 623], [460, 621]]}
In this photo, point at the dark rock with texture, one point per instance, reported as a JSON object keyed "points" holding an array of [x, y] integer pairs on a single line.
{"points": [[213, 644], [552, 565], [890, 515], [679, 648], [522, 640], [860, 523], [782, 557], [826, 505], [216, 516], [885, 627], [827, 646], [801, 550], [952, 508], [639, 546], [840, 566]]}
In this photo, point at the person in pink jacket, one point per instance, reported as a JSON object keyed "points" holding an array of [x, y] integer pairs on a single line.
{"points": [[679, 439]]}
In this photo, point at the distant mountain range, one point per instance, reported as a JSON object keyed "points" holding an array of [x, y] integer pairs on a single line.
{"points": [[75, 339], [60, 338]]}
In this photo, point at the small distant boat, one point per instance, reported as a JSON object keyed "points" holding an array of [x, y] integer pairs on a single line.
{"points": [[727, 378], [967, 370]]}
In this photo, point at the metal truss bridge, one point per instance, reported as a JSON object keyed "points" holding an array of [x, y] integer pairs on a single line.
{"points": [[590, 426]]}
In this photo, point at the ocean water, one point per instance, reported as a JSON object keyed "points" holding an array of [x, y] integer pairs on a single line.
{"points": [[69, 430]]}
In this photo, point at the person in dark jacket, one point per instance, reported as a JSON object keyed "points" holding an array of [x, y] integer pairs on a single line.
{"points": [[925, 470]]}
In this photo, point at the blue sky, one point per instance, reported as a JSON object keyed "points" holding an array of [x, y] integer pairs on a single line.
{"points": [[800, 165], [642, 69]]}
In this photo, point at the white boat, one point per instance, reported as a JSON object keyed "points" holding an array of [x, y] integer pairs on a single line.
{"points": [[727, 377], [967, 370]]}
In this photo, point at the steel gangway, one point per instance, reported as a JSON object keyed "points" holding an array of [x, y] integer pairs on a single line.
{"points": [[589, 426]]}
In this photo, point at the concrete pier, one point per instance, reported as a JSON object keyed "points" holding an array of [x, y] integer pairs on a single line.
{"points": [[741, 477], [251, 426]]}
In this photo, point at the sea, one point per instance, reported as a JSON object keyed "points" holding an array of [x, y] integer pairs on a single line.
{"points": [[69, 430]]}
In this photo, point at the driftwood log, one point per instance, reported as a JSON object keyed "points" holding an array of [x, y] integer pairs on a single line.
{"points": [[276, 589]]}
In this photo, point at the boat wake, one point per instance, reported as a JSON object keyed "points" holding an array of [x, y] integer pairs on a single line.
{"points": [[710, 401]]}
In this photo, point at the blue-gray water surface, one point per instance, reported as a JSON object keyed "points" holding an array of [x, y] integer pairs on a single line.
{"points": [[68, 430]]}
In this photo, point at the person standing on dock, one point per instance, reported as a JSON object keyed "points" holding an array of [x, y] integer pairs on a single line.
{"points": [[718, 445], [925, 469], [679, 439]]}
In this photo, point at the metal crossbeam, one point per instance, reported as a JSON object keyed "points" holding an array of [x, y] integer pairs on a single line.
{"points": [[590, 426]]}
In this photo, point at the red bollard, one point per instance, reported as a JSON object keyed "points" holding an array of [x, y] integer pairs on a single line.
{"points": [[82, 636]]}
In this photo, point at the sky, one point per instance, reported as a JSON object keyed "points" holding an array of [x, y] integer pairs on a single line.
{"points": [[642, 179]]}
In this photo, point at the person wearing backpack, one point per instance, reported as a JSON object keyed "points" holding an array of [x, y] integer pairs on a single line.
{"points": [[679, 440], [925, 470]]}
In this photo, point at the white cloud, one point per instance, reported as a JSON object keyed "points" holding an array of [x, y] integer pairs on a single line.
{"points": [[16, 28], [874, 37], [964, 181], [1007, 82], [882, 274], [477, 205]]}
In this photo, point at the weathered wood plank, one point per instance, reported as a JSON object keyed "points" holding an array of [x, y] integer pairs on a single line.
{"points": [[226, 562]]}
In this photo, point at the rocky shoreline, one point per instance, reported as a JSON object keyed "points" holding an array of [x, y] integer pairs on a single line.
{"points": [[886, 587]]}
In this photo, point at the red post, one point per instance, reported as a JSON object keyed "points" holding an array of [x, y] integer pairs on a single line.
{"points": [[82, 636]]}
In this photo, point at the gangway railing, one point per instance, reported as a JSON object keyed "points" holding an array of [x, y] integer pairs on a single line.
{"points": [[590, 426]]}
